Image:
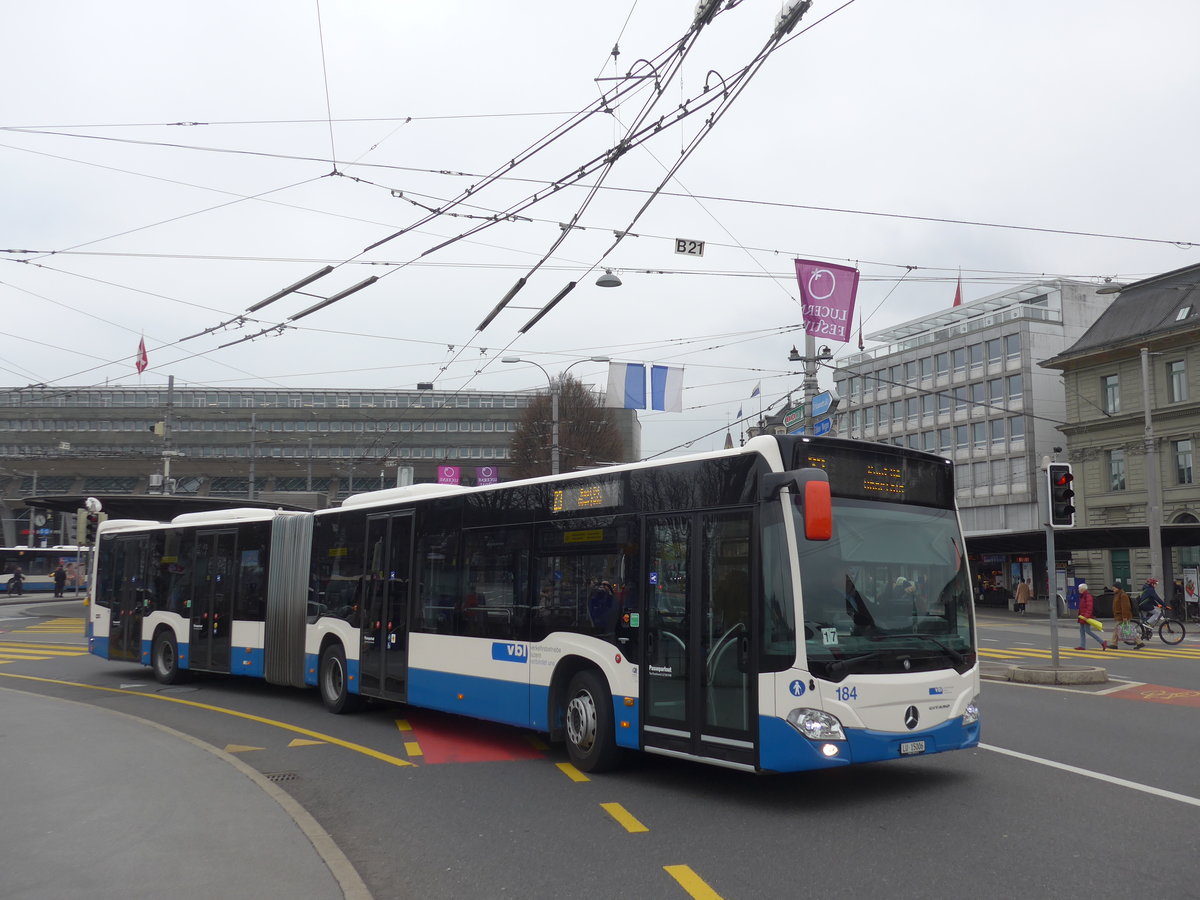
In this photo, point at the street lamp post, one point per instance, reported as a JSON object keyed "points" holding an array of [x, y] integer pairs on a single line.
{"points": [[810, 359], [555, 388]]}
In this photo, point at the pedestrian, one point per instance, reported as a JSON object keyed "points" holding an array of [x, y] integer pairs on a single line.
{"points": [[1123, 628], [1087, 606], [16, 582], [1148, 601], [1024, 595], [60, 580]]}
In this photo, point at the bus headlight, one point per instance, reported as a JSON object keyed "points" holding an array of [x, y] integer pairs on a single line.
{"points": [[816, 724], [971, 716]]}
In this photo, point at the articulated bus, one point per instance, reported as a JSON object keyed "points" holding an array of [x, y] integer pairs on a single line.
{"points": [[796, 603], [37, 565]]}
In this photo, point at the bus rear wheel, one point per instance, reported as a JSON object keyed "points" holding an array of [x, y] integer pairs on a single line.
{"points": [[164, 656], [334, 682], [591, 742]]}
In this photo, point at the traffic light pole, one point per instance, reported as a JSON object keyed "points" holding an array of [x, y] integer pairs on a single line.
{"points": [[1051, 577]]}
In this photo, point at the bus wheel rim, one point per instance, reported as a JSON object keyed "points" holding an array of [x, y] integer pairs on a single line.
{"points": [[581, 720]]}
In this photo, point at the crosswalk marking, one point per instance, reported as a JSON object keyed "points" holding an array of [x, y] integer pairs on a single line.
{"points": [[1149, 651]]}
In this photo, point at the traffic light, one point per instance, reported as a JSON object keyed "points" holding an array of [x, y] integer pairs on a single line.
{"points": [[1062, 494], [91, 522]]}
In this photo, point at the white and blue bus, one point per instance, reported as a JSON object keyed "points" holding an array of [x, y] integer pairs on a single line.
{"points": [[37, 566], [796, 603]]}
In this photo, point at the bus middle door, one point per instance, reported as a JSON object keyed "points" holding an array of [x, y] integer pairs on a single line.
{"points": [[383, 656], [212, 601], [125, 614], [697, 677]]}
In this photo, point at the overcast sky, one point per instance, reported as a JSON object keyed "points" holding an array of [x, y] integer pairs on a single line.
{"points": [[320, 129]]}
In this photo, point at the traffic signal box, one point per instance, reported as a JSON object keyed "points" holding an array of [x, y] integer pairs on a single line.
{"points": [[86, 524], [1062, 495]]}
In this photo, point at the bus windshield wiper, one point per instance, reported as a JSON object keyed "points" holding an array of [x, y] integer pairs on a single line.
{"points": [[949, 651]]}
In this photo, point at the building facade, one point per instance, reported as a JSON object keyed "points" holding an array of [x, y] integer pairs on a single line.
{"points": [[1130, 467], [311, 446], [965, 383]]}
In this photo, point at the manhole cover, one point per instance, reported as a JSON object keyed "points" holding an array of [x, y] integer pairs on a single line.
{"points": [[282, 776]]}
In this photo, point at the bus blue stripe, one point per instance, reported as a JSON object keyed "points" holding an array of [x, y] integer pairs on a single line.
{"points": [[783, 749], [471, 695]]}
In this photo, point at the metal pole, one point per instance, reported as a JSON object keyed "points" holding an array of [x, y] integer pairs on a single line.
{"points": [[1153, 478], [308, 484], [253, 429], [810, 380], [554, 389], [1051, 569]]}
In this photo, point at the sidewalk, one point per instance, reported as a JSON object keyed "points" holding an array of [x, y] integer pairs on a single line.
{"points": [[99, 804]]}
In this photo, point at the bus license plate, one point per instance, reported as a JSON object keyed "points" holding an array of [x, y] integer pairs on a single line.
{"points": [[910, 748]]}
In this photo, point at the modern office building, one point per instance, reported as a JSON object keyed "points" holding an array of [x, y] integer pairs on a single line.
{"points": [[965, 383], [311, 447]]}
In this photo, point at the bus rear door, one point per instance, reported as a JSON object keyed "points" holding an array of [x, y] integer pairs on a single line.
{"points": [[383, 659], [697, 682], [125, 613]]}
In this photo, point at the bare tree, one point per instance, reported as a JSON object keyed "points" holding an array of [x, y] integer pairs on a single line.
{"points": [[587, 432]]}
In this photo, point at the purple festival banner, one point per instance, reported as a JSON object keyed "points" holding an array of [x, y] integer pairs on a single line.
{"points": [[448, 474], [487, 475], [827, 295]]}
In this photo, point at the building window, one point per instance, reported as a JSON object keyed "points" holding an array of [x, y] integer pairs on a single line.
{"points": [[941, 363], [1016, 392], [960, 437], [883, 414], [996, 392], [1176, 381], [996, 426], [1183, 462], [911, 409], [959, 360], [960, 399], [943, 402], [1016, 428], [1110, 393], [979, 435], [977, 395], [945, 440], [993, 351], [926, 366], [868, 416], [1116, 470], [910, 372], [1012, 346], [928, 405], [976, 351], [929, 440]]}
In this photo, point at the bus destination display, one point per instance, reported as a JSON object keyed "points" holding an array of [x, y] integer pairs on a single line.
{"points": [[593, 495], [863, 475]]}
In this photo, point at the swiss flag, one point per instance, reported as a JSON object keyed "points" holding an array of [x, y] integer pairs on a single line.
{"points": [[140, 362], [958, 293]]}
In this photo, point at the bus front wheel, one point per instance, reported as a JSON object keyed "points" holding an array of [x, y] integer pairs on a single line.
{"points": [[334, 682], [591, 743], [165, 656]]}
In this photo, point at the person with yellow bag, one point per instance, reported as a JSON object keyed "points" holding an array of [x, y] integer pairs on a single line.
{"points": [[1087, 605]]}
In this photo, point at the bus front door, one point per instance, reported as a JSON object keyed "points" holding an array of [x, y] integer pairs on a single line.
{"points": [[383, 657], [698, 686], [214, 588], [125, 614]]}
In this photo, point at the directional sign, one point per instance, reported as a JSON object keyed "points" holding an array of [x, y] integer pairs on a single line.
{"points": [[796, 416], [823, 403], [823, 426], [689, 247]]}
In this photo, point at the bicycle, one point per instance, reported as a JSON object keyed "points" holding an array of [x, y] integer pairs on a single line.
{"points": [[1170, 630]]}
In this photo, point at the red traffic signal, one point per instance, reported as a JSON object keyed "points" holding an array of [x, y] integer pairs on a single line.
{"points": [[1061, 493]]}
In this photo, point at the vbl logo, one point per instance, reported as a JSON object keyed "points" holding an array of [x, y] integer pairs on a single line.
{"points": [[510, 652]]}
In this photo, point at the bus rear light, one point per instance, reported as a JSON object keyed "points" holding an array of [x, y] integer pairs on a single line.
{"points": [[624, 724], [629, 701]]}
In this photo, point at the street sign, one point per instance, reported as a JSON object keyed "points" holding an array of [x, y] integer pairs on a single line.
{"points": [[799, 429], [688, 247], [793, 417], [823, 426], [824, 402]]}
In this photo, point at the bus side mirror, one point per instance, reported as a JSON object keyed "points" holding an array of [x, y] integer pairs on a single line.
{"points": [[818, 511]]}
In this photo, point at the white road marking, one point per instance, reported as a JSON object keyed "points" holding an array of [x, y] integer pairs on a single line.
{"points": [[1088, 773]]}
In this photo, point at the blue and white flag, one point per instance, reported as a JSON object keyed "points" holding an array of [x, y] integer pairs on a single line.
{"points": [[626, 386], [757, 390], [666, 388]]}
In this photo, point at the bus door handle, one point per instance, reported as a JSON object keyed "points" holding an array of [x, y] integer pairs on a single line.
{"points": [[743, 652]]}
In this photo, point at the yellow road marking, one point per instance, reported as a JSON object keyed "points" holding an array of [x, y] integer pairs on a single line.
{"points": [[412, 748], [571, 772], [65, 649], [329, 739], [692, 883], [301, 742], [240, 748], [403, 725], [622, 815]]}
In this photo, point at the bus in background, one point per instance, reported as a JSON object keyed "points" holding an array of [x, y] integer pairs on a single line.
{"points": [[795, 603], [37, 566]]}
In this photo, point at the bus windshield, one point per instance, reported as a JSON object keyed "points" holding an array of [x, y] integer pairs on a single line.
{"points": [[890, 593]]}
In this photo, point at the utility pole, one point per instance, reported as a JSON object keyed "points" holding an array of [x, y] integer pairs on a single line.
{"points": [[1154, 510]]}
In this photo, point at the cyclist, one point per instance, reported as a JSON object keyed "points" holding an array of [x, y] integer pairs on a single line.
{"points": [[1149, 603]]}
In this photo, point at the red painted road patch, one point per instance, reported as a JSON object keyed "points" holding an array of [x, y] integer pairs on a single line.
{"points": [[1159, 693], [453, 739]]}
